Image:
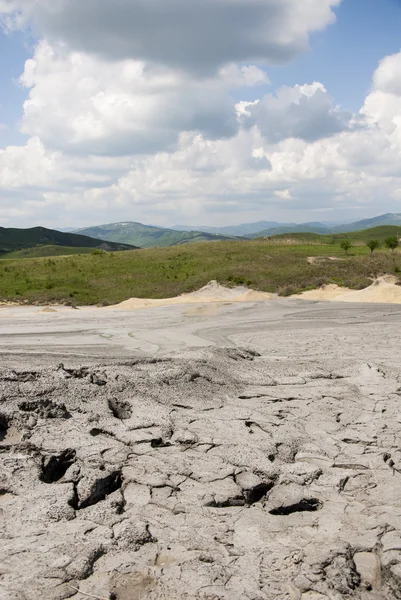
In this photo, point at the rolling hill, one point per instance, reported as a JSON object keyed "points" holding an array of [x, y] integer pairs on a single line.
{"points": [[166, 272], [269, 228], [386, 219], [147, 236], [246, 229], [303, 228], [12, 240], [380, 233]]}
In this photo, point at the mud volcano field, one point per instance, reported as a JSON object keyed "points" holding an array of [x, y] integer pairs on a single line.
{"points": [[251, 452]]}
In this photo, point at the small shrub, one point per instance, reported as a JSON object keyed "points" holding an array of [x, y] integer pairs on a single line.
{"points": [[286, 291], [237, 279], [373, 245], [345, 245], [391, 242]]}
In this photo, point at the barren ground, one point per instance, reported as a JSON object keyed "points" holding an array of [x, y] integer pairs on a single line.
{"points": [[232, 451]]}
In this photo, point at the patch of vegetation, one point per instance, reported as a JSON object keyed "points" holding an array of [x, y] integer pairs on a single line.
{"points": [[355, 237], [391, 242], [373, 245], [161, 273], [345, 245], [40, 251]]}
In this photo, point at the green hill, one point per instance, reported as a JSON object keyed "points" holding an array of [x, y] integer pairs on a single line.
{"points": [[387, 219], [360, 237], [43, 251], [285, 230], [148, 236], [108, 278], [12, 240]]}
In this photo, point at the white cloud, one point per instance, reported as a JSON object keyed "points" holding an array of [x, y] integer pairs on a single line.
{"points": [[135, 130], [198, 35], [87, 105], [303, 111]]}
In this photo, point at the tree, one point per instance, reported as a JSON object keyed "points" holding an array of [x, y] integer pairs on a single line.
{"points": [[391, 242], [373, 245], [346, 245]]}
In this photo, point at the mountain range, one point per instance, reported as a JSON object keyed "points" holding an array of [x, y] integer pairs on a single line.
{"points": [[268, 228], [147, 236], [39, 241]]}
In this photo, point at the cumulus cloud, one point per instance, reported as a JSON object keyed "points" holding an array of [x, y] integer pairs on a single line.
{"points": [[200, 36], [87, 105], [130, 115], [303, 111]]}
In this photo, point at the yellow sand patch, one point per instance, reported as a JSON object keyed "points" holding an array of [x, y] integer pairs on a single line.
{"points": [[383, 290], [212, 292]]}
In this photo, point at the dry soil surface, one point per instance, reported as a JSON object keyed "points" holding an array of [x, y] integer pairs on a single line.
{"points": [[249, 452]]}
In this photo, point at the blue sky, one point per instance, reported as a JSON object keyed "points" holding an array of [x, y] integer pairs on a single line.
{"points": [[154, 144], [15, 49], [343, 57]]}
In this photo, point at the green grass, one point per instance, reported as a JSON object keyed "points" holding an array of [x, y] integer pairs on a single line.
{"points": [[109, 278], [40, 251], [358, 237]]}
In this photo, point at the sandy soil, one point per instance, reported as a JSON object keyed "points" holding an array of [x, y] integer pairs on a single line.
{"points": [[212, 292], [383, 291]]}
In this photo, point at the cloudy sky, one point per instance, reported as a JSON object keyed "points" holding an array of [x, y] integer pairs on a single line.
{"points": [[198, 111]]}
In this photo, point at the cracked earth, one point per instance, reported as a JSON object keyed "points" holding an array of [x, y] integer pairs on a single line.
{"points": [[252, 469]]}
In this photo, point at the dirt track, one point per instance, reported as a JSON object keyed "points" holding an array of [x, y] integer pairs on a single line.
{"points": [[236, 451]]}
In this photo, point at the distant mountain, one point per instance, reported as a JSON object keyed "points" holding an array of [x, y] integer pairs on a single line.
{"points": [[235, 230], [21, 239], [387, 219], [380, 233], [324, 228], [302, 228], [148, 236]]}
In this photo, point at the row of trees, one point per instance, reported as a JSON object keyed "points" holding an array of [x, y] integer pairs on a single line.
{"points": [[391, 243]]}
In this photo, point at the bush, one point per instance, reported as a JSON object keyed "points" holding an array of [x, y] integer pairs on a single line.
{"points": [[286, 291], [345, 245], [373, 245], [391, 242]]}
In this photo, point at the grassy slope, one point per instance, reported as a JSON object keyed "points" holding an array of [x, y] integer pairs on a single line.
{"points": [[158, 273], [40, 251], [146, 236], [12, 239], [376, 233], [314, 230]]}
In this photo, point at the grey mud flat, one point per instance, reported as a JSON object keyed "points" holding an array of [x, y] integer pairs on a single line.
{"points": [[228, 451]]}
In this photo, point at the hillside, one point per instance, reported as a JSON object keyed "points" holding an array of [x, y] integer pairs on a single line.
{"points": [[43, 251], [270, 228], [387, 219], [245, 229], [22, 239], [147, 236], [358, 237], [165, 272], [303, 228]]}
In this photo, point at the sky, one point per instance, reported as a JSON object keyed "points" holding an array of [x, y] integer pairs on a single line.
{"points": [[209, 112]]}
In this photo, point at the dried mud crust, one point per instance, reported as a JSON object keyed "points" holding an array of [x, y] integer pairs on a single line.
{"points": [[218, 474]]}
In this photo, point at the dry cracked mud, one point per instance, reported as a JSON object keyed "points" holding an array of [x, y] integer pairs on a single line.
{"points": [[213, 473]]}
